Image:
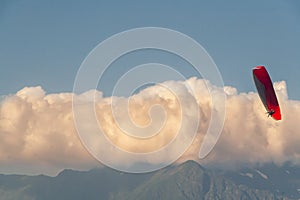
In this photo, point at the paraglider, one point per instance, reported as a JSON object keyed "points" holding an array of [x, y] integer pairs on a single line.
{"points": [[266, 91]]}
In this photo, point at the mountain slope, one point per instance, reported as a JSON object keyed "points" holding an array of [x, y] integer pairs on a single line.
{"points": [[69, 185], [191, 181], [186, 181], [280, 180]]}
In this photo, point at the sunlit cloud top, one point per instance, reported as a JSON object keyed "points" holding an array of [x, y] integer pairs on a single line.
{"points": [[38, 134]]}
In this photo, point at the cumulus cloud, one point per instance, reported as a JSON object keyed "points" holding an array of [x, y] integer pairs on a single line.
{"points": [[38, 134], [249, 136]]}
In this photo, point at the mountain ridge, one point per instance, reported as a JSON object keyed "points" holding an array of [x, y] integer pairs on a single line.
{"points": [[191, 181], [188, 180]]}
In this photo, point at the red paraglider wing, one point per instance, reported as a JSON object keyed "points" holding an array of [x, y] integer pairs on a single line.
{"points": [[266, 91]]}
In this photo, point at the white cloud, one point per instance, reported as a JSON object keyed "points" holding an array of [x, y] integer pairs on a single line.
{"points": [[38, 134]]}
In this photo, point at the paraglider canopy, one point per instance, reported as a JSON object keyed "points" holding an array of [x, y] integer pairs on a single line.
{"points": [[266, 91]]}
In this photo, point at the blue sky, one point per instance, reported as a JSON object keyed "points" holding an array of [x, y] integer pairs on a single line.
{"points": [[44, 42]]}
